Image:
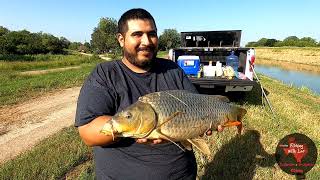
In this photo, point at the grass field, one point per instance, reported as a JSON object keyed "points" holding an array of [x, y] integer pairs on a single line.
{"points": [[16, 86], [305, 59], [162, 54], [249, 156], [239, 157]]}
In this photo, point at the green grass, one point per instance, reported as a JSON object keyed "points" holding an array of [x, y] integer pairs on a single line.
{"points": [[162, 54], [16, 87], [249, 156], [41, 62], [53, 158]]}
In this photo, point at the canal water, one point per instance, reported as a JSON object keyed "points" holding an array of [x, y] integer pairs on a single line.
{"points": [[296, 78]]}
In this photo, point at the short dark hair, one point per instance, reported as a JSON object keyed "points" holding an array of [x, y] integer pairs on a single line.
{"points": [[137, 13]]}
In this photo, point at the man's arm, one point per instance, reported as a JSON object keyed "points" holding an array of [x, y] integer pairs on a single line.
{"points": [[90, 133], [91, 136]]}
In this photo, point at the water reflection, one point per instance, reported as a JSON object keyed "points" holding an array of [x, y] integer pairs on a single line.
{"points": [[296, 78]]}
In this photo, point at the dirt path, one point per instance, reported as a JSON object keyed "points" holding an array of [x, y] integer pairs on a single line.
{"points": [[37, 72], [101, 56], [24, 125]]}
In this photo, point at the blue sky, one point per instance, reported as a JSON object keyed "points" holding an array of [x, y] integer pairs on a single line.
{"points": [[75, 19]]}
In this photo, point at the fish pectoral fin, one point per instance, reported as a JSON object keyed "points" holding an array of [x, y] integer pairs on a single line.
{"points": [[170, 118], [201, 145], [186, 144], [163, 136]]}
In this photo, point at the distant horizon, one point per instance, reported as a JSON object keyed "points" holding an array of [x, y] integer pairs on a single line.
{"points": [[160, 34], [76, 20]]}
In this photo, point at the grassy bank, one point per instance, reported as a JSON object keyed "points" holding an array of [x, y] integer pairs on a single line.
{"points": [[239, 157], [19, 80], [41, 62], [16, 86], [162, 54], [53, 158], [305, 59]]}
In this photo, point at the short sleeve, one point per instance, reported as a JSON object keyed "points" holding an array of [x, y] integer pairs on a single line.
{"points": [[94, 100]]}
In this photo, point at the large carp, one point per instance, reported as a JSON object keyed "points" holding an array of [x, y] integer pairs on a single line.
{"points": [[177, 116]]}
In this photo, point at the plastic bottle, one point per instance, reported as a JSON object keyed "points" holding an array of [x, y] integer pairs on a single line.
{"points": [[219, 71], [233, 61]]}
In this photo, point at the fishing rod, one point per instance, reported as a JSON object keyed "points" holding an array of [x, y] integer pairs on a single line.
{"points": [[263, 92]]}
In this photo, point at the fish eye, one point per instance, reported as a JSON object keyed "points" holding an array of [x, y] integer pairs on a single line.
{"points": [[127, 115]]}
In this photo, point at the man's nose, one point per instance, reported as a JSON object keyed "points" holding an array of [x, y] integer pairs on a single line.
{"points": [[145, 39]]}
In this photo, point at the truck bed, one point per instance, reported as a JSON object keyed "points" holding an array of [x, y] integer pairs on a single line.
{"points": [[211, 82]]}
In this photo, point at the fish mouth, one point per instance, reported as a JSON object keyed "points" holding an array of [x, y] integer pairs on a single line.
{"points": [[234, 123], [108, 129]]}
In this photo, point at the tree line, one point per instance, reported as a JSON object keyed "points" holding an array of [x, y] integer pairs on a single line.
{"points": [[103, 38], [25, 42], [292, 41]]}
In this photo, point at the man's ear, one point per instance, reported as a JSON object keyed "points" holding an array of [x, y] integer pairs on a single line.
{"points": [[120, 39]]}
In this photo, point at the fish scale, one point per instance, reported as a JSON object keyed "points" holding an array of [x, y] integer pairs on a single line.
{"points": [[198, 112]]}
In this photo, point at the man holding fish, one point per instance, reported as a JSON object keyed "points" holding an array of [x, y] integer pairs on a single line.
{"points": [[138, 148]]}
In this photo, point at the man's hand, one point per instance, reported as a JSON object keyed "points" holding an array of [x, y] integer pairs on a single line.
{"points": [[220, 128], [153, 141]]}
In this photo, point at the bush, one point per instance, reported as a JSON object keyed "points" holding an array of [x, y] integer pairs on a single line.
{"points": [[23, 42]]}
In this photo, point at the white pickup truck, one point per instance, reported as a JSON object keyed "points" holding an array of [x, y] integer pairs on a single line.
{"points": [[214, 46]]}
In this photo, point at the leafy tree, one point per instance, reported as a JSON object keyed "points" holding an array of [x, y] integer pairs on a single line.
{"points": [[86, 47], [64, 42], [290, 41], [170, 38], [16, 42], [75, 46], [3, 30], [262, 42], [52, 43], [270, 42], [251, 44], [25, 42], [291, 38], [103, 38], [307, 42]]}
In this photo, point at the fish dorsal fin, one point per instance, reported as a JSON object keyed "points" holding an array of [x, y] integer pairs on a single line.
{"points": [[222, 98], [201, 145]]}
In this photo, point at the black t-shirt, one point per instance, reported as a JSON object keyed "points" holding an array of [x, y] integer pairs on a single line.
{"points": [[112, 87]]}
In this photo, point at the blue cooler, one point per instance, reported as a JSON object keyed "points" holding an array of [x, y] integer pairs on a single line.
{"points": [[190, 64]]}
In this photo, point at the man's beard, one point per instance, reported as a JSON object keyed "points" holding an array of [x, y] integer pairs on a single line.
{"points": [[145, 64]]}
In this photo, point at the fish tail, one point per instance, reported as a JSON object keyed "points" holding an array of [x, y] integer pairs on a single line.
{"points": [[237, 115], [240, 113]]}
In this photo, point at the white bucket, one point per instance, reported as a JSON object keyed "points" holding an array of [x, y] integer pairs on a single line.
{"points": [[209, 71]]}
